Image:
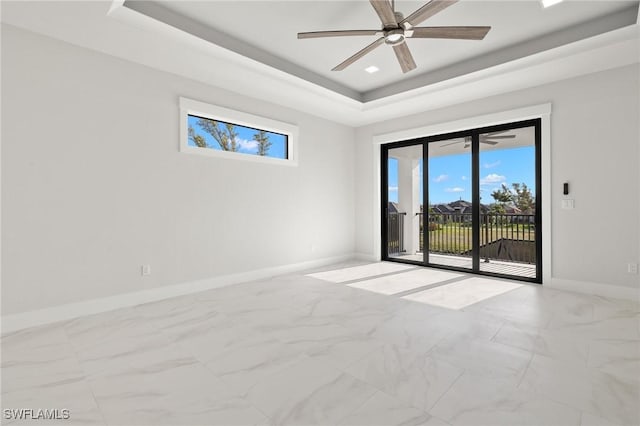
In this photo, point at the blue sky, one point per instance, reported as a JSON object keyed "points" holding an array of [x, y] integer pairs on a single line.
{"points": [[245, 140], [450, 176]]}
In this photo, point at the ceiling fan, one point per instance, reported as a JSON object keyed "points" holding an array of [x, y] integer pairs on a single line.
{"points": [[396, 29], [488, 138]]}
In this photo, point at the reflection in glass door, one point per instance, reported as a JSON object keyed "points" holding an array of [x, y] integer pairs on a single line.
{"points": [[404, 202], [450, 208], [508, 221]]}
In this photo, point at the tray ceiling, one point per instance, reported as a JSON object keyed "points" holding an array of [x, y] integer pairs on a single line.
{"points": [[266, 32]]}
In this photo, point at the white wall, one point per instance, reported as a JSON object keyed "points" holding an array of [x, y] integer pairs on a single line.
{"points": [[93, 184], [594, 145]]}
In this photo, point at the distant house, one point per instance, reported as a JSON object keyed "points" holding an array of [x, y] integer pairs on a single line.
{"points": [[460, 207], [457, 207], [512, 210]]}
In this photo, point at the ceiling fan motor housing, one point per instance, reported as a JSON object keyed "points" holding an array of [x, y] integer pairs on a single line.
{"points": [[394, 36]]}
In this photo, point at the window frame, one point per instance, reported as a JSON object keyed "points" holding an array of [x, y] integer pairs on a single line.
{"points": [[214, 112]]}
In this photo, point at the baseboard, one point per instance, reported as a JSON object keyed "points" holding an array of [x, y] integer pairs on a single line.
{"points": [[598, 289], [69, 311]]}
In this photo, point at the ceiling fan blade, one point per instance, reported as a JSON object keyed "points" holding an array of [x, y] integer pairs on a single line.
{"points": [[457, 33], [427, 11], [451, 143], [318, 34], [489, 142], [358, 55], [385, 12], [404, 57]]}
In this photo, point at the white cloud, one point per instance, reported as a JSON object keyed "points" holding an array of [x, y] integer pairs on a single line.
{"points": [[463, 177], [491, 165], [393, 189], [454, 189], [492, 178], [441, 178], [247, 145]]}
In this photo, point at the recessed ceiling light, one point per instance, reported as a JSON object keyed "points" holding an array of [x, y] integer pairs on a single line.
{"points": [[372, 69], [547, 3]]}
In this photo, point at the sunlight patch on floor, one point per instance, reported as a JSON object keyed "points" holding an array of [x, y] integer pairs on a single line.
{"points": [[463, 293], [360, 272], [398, 283]]}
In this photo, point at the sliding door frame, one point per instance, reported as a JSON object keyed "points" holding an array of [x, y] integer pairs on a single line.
{"points": [[475, 167]]}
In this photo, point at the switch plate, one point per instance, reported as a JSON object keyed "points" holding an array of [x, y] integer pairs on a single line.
{"points": [[145, 270], [568, 204], [632, 268]]}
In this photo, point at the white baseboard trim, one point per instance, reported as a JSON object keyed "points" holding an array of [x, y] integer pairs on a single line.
{"points": [[14, 322], [598, 289]]}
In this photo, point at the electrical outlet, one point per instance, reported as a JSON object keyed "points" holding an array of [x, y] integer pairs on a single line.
{"points": [[632, 268], [146, 270]]}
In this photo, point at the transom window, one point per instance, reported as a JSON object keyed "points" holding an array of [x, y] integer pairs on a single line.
{"points": [[216, 131]]}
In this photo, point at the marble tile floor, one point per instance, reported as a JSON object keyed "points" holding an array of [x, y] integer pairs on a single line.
{"points": [[348, 344]]}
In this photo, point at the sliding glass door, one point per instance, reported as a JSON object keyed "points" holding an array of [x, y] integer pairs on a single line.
{"points": [[450, 208], [482, 208], [404, 201]]}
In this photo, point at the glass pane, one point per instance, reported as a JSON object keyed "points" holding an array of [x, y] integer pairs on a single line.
{"points": [[508, 187], [450, 210], [404, 212], [219, 135]]}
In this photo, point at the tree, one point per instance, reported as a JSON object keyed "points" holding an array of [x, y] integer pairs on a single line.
{"points": [[263, 142], [225, 135], [502, 196], [522, 197], [198, 140]]}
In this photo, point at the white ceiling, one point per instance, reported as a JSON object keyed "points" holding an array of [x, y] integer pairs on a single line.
{"points": [[266, 31], [193, 39]]}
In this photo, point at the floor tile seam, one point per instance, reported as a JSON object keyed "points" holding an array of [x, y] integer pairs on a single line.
{"points": [[74, 352], [462, 373], [76, 347], [581, 410], [341, 419], [340, 373], [345, 368], [86, 379], [525, 371], [534, 350], [384, 391], [303, 356], [156, 332], [547, 397], [613, 376], [177, 342], [238, 394], [492, 339]]}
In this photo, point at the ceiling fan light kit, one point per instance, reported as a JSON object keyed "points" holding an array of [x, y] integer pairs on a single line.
{"points": [[396, 29], [393, 37]]}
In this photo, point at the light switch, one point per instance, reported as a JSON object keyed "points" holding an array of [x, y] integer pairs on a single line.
{"points": [[568, 204]]}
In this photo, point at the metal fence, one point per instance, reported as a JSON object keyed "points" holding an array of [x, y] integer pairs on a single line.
{"points": [[508, 237], [395, 233]]}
